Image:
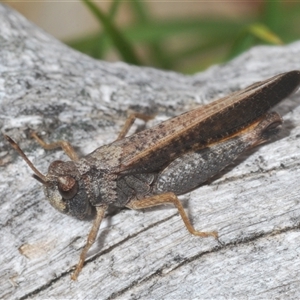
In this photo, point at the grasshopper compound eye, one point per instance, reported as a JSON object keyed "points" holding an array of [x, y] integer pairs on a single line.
{"points": [[67, 187]]}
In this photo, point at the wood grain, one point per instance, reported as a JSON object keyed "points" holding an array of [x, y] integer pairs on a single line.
{"points": [[254, 205]]}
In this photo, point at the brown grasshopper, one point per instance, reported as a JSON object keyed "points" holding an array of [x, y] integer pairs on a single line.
{"points": [[156, 165]]}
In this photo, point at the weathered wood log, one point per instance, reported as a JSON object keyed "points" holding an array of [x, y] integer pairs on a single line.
{"points": [[62, 94]]}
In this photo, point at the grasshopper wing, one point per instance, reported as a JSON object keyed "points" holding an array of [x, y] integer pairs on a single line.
{"points": [[154, 148]]}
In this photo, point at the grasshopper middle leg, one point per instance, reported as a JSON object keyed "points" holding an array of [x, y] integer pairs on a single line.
{"points": [[129, 122]]}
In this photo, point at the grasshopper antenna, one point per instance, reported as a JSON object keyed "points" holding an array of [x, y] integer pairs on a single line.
{"points": [[37, 174]]}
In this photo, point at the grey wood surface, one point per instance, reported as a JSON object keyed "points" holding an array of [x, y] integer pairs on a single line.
{"points": [[254, 205]]}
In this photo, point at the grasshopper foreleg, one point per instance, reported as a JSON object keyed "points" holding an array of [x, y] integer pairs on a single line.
{"points": [[64, 145], [90, 240]]}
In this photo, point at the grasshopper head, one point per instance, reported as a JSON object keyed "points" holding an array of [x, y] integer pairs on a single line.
{"points": [[65, 190], [63, 186]]}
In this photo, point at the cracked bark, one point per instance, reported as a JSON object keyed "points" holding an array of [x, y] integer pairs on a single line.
{"points": [[62, 94]]}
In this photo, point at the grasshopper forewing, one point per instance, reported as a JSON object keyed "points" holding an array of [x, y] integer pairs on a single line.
{"points": [[197, 128], [152, 167]]}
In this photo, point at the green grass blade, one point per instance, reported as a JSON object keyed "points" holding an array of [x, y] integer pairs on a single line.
{"points": [[265, 34], [122, 45]]}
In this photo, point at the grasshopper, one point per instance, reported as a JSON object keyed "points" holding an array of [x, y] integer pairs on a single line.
{"points": [[155, 166]]}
